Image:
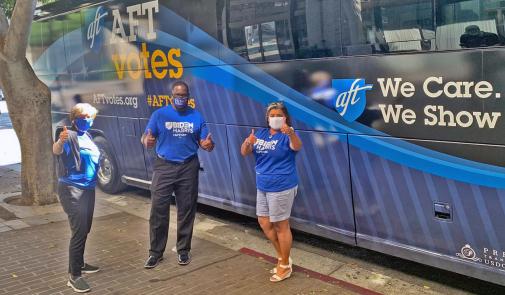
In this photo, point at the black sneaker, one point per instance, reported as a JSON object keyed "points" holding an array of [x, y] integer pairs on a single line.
{"points": [[184, 259], [152, 261], [87, 268], [78, 284]]}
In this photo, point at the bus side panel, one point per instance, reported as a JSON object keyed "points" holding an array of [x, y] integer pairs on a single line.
{"points": [[427, 218], [324, 203], [133, 162], [494, 73], [109, 127], [222, 105], [215, 176], [242, 169], [149, 154], [324, 196]]}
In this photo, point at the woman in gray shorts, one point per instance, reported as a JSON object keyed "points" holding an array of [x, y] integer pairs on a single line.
{"points": [[275, 149]]}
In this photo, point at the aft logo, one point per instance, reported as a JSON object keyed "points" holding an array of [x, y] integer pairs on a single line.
{"points": [[96, 22], [350, 97], [140, 24]]}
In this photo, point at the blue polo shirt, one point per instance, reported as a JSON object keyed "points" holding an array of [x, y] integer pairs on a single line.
{"points": [[85, 178], [275, 162], [177, 133]]}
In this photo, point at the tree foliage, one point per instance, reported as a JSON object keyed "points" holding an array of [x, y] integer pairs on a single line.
{"points": [[8, 5]]}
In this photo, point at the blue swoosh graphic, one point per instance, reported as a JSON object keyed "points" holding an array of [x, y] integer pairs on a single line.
{"points": [[247, 79]]}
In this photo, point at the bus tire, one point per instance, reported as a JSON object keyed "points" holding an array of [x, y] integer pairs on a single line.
{"points": [[109, 174]]}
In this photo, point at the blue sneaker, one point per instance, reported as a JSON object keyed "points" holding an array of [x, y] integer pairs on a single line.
{"points": [[184, 259], [152, 261]]}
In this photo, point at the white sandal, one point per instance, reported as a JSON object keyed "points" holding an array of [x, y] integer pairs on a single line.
{"points": [[274, 270], [276, 278]]}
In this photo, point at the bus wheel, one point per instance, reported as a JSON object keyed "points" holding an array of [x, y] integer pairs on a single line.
{"points": [[109, 176]]}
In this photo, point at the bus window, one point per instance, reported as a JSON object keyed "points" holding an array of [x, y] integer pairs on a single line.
{"points": [[73, 40], [387, 26], [269, 30], [262, 42], [34, 49], [470, 23], [269, 41], [252, 37], [51, 33]]}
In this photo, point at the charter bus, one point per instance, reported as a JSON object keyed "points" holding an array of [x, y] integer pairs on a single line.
{"points": [[398, 104]]}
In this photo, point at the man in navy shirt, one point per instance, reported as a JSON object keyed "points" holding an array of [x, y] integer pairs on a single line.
{"points": [[177, 131]]}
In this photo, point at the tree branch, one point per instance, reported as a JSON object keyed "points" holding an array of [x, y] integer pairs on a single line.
{"points": [[19, 30]]}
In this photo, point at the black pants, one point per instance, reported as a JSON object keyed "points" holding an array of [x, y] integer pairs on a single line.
{"points": [[167, 179], [79, 205]]}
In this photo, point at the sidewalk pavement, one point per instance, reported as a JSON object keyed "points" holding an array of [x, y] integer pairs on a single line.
{"points": [[34, 261], [229, 257], [33, 255]]}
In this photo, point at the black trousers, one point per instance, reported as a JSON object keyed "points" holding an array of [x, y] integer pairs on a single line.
{"points": [[79, 204], [169, 178]]}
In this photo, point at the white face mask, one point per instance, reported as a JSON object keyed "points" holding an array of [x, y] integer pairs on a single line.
{"points": [[276, 122]]}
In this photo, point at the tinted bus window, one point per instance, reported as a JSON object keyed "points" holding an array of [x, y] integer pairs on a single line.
{"points": [[74, 43], [468, 24], [269, 30], [51, 32], [387, 26], [49, 8], [34, 49]]}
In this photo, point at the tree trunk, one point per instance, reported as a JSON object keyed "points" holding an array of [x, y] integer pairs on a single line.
{"points": [[29, 103]]}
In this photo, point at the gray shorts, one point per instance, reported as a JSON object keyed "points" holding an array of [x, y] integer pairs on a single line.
{"points": [[276, 205]]}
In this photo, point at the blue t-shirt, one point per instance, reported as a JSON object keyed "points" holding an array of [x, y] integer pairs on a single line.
{"points": [[177, 133], [275, 162], [89, 153]]}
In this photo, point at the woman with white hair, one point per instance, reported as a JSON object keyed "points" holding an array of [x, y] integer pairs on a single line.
{"points": [[78, 156]]}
